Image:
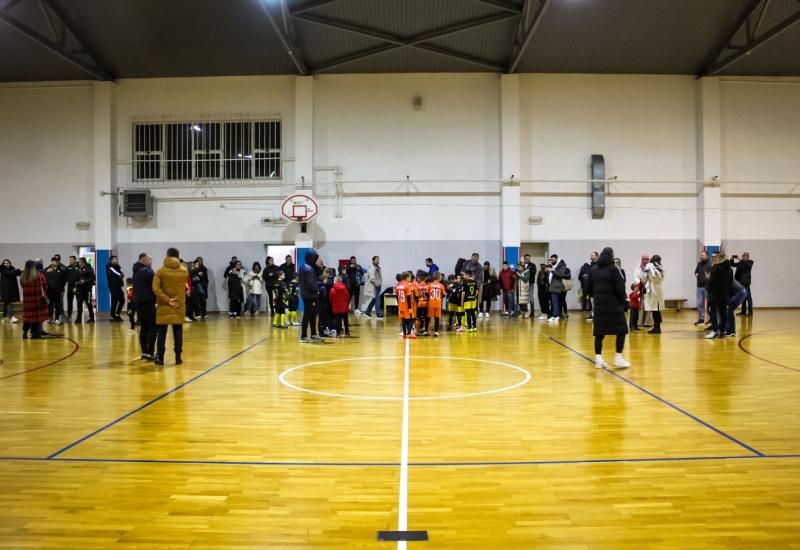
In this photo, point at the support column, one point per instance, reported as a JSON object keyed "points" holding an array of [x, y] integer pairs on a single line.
{"points": [[304, 130], [709, 164], [510, 213], [105, 189]]}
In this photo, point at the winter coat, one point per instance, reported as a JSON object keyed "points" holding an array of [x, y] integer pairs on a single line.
{"points": [[115, 276], [559, 273], [143, 286], [85, 278], [507, 278], [700, 273], [744, 269], [202, 272], [288, 270], [255, 283], [72, 275], [355, 275], [136, 267], [9, 285], [339, 298], [309, 276], [583, 274], [374, 278], [530, 267], [605, 285], [523, 286], [235, 285], [270, 275], [56, 277], [34, 302], [652, 278], [170, 282], [719, 280]]}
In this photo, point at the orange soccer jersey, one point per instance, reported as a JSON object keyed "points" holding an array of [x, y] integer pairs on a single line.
{"points": [[435, 296], [422, 294], [414, 292], [402, 291]]}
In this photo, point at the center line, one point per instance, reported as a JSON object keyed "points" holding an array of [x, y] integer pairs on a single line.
{"points": [[402, 521]]}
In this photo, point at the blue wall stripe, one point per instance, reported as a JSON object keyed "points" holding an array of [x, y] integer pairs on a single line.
{"points": [[103, 295]]}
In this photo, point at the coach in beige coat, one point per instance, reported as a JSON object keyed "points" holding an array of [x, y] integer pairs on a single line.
{"points": [[169, 286]]}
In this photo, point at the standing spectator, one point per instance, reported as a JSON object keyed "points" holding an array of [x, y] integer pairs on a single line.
{"points": [[531, 268], [523, 289], [255, 289], [583, 276], [542, 289], [139, 264], [235, 290], [270, 277], [231, 265], [618, 263], [56, 277], [719, 294], [475, 268], [288, 267], [309, 293], [508, 280], [72, 281], [653, 279], [355, 277], [738, 296], [432, 267], [83, 290], [202, 272], [144, 300], [744, 273], [339, 299], [9, 289], [607, 289], [169, 287], [326, 324], [701, 279], [194, 305], [34, 301], [489, 292], [635, 303], [373, 288], [557, 273], [116, 282], [647, 320]]}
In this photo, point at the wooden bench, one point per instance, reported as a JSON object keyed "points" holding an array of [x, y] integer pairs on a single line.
{"points": [[674, 303], [389, 300]]}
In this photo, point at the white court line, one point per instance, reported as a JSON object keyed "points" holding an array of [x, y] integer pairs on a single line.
{"points": [[402, 520]]}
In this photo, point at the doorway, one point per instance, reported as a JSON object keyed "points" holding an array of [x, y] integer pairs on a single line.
{"points": [[538, 252]]}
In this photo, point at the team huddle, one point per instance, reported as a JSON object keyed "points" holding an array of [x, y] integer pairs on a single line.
{"points": [[420, 300]]}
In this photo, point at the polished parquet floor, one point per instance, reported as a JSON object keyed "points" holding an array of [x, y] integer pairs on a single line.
{"points": [[514, 439]]}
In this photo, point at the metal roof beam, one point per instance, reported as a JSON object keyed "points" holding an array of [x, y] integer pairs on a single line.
{"points": [[505, 6], [395, 42], [286, 41], [309, 6], [75, 53], [529, 31]]}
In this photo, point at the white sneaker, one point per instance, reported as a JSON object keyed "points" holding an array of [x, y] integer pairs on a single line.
{"points": [[553, 320], [486, 315], [711, 335], [543, 317], [357, 312], [187, 319], [599, 362], [620, 362]]}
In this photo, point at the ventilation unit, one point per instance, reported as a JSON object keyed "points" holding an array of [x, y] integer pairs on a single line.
{"points": [[137, 203], [598, 187]]}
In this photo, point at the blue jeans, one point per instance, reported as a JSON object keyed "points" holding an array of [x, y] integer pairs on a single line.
{"points": [[736, 301], [253, 303], [510, 301], [376, 302], [701, 296], [555, 304]]}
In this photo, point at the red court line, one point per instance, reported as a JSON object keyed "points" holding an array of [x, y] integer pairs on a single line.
{"points": [[50, 364], [748, 352]]}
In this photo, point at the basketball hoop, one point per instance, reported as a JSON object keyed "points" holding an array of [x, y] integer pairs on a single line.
{"points": [[299, 208]]}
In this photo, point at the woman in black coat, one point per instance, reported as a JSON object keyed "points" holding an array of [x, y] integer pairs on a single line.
{"points": [[607, 287], [9, 289]]}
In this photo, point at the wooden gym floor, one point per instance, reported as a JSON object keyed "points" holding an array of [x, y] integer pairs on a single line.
{"points": [[696, 446]]}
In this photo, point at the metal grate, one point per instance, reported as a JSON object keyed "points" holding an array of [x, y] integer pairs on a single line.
{"points": [[224, 150]]}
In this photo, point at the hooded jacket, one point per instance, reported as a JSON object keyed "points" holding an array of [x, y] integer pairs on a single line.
{"points": [[606, 286], [339, 298], [309, 285], [719, 279], [170, 282]]}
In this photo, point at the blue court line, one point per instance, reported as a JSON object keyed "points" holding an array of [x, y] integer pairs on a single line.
{"points": [[396, 464], [664, 401], [154, 400]]}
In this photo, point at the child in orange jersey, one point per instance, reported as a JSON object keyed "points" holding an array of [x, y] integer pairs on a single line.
{"points": [[405, 300], [436, 292], [422, 303]]}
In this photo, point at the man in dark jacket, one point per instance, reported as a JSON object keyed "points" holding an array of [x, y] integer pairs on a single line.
{"points": [[56, 277], [744, 273], [145, 302], [83, 290], [72, 281], [719, 289], [701, 276], [309, 292], [140, 263], [288, 268], [116, 282], [583, 277], [531, 268]]}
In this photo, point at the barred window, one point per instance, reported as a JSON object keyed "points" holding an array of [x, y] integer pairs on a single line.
{"points": [[235, 150]]}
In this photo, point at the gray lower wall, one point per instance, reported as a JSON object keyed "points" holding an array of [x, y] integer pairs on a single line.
{"points": [[776, 261]]}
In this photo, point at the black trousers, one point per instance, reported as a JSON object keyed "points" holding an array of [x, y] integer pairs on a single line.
{"points": [[544, 298], [84, 296], [177, 335], [562, 299], [356, 297], [147, 332], [598, 343], [310, 306], [270, 299], [718, 310], [342, 323], [55, 304], [117, 301], [71, 296], [8, 309], [634, 322]]}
